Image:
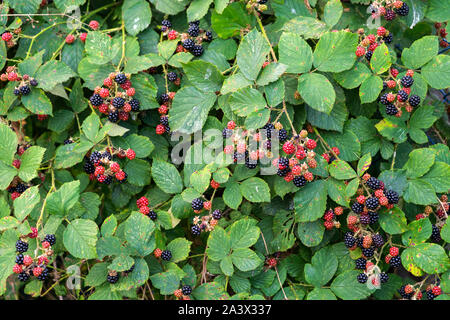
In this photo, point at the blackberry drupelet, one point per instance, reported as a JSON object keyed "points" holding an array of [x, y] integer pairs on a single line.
{"points": [[217, 214], [108, 180], [95, 157], [395, 262], [268, 128], [21, 246], [407, 81], [368, 252], [403, 11], [385, 86], [373, 183], [430, 295], [50, 238], [392, 196], [384, 277], [25, 90], [164, 97], [391, 110], [194, 23], [68, 141], [238, 157], [197, 50], [360, 242], [113, 116], [152, 215], [120, 78], [196, 230], [357, 207], [171, 76], [372, 203], [250, 164], [187, 290], [135, 105], [164, 120], [106, 155], [378, 240], [197, 204], [414, 100], [402, 96], [188, 44], [166, 255], [403, 294], [362, 278], [283, 162], [299, 181], [118, 102], [96, 100], [16, 92], [360, 263]]}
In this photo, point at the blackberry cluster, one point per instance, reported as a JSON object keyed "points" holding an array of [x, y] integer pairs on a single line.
{"points": [[44, 275], [135, 105], [196, 230], [430, 295], [197, 204], [166, 24], [299, 181], [96, 100], [368, 252], [378, 240], [120, 78], [414, 100], [152, 215], [19, 258], [388, 39], [362, 278], [166, 255], [100, 166], [23, 276], [171, 76], [217, 214], [357, 207], [373, 217], [435, 234], [403, 11], [25, 90], [194, 29], [390, 15], [197, 50], [395, 262], [373, 183], [407, 81], [349, 240], [113, 116], [391, 110], [21, 246], [360, 263], [384, 277], [188, 44], [372, 203], [392, 196], [369, 55], [227, 133]]}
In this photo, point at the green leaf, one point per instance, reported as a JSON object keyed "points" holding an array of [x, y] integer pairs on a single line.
{"points": [[420, 52], [370, 89], [235, 82], [310, 201], [97, 274], [394, 180], [337, 192], [210, 291], [8, 144], [321, 294], [137, 15], [61, 201], [418, 231], [429, 257], [200, 180], [230, 22], [332, 12], [437, 72], [180, 248], [353, 77], [271, 73], [226, 265], [146, 90], [364, 164], [80, 238], [419, 162], [255, 190], [246, 101], [306, 27], [93, 73], [198, 9], [393, 220], [138, 232], [243, 233], [121, 263], [167, 177], [8, 222], [53, 73], [109, 226], [167, 282], [37, 102], [323, 266], [317, 91], [138, 172], [381, 60], [341, 170], [335, 119], [31, 160], [245, 259], [26, 202], [98, 46], [189, 110], [439, 177], [251, 54], [295, 53], [419, 192], [31, 65], [393, 129], [335, 51], [142, 145], [203, 75], [438, 11], [347, 287], [232, 195], [219, 244]]}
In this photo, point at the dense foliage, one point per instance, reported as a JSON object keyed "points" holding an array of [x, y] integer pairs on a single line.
{"points": [[215, 149]]}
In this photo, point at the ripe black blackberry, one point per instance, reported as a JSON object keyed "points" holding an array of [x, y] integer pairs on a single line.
{"points": [[113, 116], [283, 172], [209, 36], [108, 180], [364, 219], [395, 262], [50, 238], [217, 214], [130, 270], [120, 78], [384, 277], [118, 102], [435, 234], [373, 216], [402, 96], [403, 10], [349, 241], [362, 278], [152, 215], [197, 50], [112, 278], [383, 99], [403, 294], [164, 97], [407, 81], [390, 15], [388, 39], [414, 100], [385, 86], [188, 44], [360, 242], [372, 203], [44, 275], [106, 155], [360, 263], [21, 246], [250, 164], [299, 181], [283, 162], [391, 110], [368, 55], [430, 295], [282, 135], [193, 30], [135, 105], [357, 207], [25, 90], [23, 276], [197, 204], [16, 92], [19, 258], [68, 141], [166, 255], [96, 99], [238, 157], [227, 133], [171, 76], [194, 23], [368, 252], [392, 196], [89, 167], [166, 23], [20, 188], [95, 157], [187, 290], [268, 127], [378, 240], [33, 82], [196, 230], [262, 1], [373, 183]]}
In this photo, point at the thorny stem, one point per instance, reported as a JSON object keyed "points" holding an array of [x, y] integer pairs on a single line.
{"points": [[123, 46]]}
